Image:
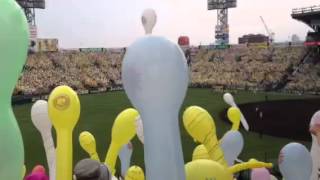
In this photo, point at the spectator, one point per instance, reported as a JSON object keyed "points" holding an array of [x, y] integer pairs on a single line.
{"points": [[88, 169], [188, 56], [38, 173]]}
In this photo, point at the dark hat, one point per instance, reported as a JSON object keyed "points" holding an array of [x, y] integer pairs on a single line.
{"points": [[105, 174], [88, 169]]}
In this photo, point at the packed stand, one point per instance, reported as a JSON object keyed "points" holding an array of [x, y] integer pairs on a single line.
{"points": [[243, 68], [79, 70], [234, 68]]}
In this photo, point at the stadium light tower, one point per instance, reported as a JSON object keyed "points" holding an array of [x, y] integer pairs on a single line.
{"points": [[29, 7], [222, 27]]}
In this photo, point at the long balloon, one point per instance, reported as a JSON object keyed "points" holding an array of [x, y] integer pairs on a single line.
{"points": [[125, 157], [232, 145], [232, 142], [228, 98], [88, 144], [134, 173], [139, 126], [295, 162], [200, 125], [251, 164], [234, 115], [203, 169], [40, 119], [64, 112], [200, 152], [13, 53], [123, 130]]}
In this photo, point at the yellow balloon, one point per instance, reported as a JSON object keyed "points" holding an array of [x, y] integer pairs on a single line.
{"points": [[134, 173], [249, 165], [64, 112], [123, 130], [200, 125], [234, 115], [200, 152], [203, 169], [24, 170], [88, 144]]}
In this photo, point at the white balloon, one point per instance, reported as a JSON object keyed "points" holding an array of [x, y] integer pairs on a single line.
{"points": [[315, 147], [139, 127], [295, 162], [232, 145], [228, 98], [149, 20], [125, 158], [155, 78], [40, 119]]}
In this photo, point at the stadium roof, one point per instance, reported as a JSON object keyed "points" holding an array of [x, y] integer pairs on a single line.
{"points": [[309, 15]]}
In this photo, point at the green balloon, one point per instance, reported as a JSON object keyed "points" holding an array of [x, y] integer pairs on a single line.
{"points": [[14, 37]]}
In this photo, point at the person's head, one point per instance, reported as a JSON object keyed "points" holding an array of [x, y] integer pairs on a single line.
{"points": [[37, 176], [39, 168], [88, 169]]}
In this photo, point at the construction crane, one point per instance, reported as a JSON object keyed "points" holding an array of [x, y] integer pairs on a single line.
{"points": [[269, 32]]}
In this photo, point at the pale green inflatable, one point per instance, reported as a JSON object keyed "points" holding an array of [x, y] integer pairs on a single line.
{"points": [[13, 53]]}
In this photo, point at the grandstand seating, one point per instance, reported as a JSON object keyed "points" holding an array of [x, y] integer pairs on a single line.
{"points": [[242, 67], [79, 70]]}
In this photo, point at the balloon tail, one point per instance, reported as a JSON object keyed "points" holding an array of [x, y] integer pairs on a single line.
{"points": [[235, 126], [244, 123], [64, 155], [95, 156], [249, 165], [112, 157], [50, 153]]}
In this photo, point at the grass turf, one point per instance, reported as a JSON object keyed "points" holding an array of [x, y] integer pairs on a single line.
{"points": [[99, 110]]}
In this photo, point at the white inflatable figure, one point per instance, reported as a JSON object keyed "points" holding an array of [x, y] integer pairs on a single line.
{"points": [[149, 20], [139, 127], [228, 98], [232, 145], [155, 78], [125, 158], [295, 162], [40, 119], [315, 148]]}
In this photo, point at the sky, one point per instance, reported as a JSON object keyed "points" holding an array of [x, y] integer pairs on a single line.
{"points": [[117, 23]]}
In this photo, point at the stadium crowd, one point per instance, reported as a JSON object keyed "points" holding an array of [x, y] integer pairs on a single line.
{"points": [[79, 70], [244, 68], [306, 79], [252, 68]]}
